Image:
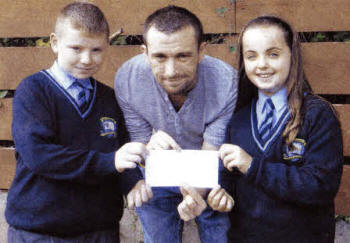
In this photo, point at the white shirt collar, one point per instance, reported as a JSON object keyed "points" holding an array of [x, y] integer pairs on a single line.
{"points": [[65, 79]]}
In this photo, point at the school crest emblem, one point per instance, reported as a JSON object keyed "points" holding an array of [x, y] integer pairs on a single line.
{"points": [[297, 152], [108, 127]]}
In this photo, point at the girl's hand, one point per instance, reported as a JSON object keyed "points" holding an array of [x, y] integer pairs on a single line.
{"points": [[233, 156], [220, 200]]}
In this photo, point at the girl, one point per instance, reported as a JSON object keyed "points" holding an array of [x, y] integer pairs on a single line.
{"points": [[284, 145]]}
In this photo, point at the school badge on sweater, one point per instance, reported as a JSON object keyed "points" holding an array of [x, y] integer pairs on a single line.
{"points": [[297, 151], [108, 127]]}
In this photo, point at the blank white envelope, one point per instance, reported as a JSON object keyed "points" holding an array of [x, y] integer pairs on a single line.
{"points": [[197, 168]]}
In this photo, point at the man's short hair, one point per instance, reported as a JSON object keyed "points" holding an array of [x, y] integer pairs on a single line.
{"points": [[171, 19], [85, 17]]}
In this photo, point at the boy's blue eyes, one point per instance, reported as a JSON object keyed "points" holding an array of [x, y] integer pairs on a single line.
{"points": [[160, 57], [77, 49]]}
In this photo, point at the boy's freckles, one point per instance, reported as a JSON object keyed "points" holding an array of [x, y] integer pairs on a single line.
{"points": [[79, 53]]}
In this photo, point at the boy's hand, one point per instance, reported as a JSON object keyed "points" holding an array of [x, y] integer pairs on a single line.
{"points": [[140, 194], [129, 155], [192, 204], [220, 200], [235, 156], [162, 140]]}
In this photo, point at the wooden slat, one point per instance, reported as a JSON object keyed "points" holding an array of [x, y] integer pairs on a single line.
{"points": [[18, 62], [342, 200], [116, 56], [223, 52], [24, 18], [326, 64], [5, 119], [7, 167], [304, 15], [344, 117], [38, 16]]}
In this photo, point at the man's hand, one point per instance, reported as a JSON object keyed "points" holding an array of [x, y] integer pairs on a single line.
{"points": [[192, 204], [162, 140], [129, 155], [220, 200], [234, 156], [140, 194]]}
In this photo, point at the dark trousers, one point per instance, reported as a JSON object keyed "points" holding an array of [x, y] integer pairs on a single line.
{"points": [[22, 236]]}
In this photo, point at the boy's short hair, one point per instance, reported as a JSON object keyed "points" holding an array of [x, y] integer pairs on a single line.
{"points": [[171, 19], [85, 17]]}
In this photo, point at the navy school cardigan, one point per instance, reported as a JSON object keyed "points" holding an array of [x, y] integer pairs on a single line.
{"points": [[287, 195], [66, 183]]}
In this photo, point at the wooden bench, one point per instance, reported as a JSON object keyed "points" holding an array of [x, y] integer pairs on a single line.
{"points": [[327, 64]]}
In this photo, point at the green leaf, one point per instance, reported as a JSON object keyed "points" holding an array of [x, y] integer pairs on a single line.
{"points": [[232, 48], [221, 11], [347, 219], [41, 42], [120, 40], [3, 93], [320, 36]]}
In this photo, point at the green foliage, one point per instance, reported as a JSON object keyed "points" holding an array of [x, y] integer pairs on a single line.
{"points": [[33, 41], [347, 219], [215, 38], [342, 217], [340, 36], [42, 42], [232, 48], [3, 93], [318, 38], [120, 40], [221, 11]]}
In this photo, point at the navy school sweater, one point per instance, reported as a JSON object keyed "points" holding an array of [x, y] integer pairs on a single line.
{"points": [[286, 195], [66, 183]]}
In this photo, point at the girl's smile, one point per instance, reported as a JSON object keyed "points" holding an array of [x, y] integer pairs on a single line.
{"points": [[267, 58]]}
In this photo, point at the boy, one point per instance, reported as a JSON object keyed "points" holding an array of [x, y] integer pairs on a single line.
{"points": [[66, 127]]}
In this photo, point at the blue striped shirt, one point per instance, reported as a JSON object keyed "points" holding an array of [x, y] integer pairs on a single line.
{"points": [[279, 100], [67, 81]]}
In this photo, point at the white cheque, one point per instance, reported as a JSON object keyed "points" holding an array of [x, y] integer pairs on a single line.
{"points": [[197, 168]]}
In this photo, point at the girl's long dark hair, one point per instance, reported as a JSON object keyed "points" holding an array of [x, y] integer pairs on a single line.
{"points": [[296, 83]]}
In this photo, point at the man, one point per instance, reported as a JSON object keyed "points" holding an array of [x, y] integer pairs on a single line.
{"points": [[175, 97]]}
